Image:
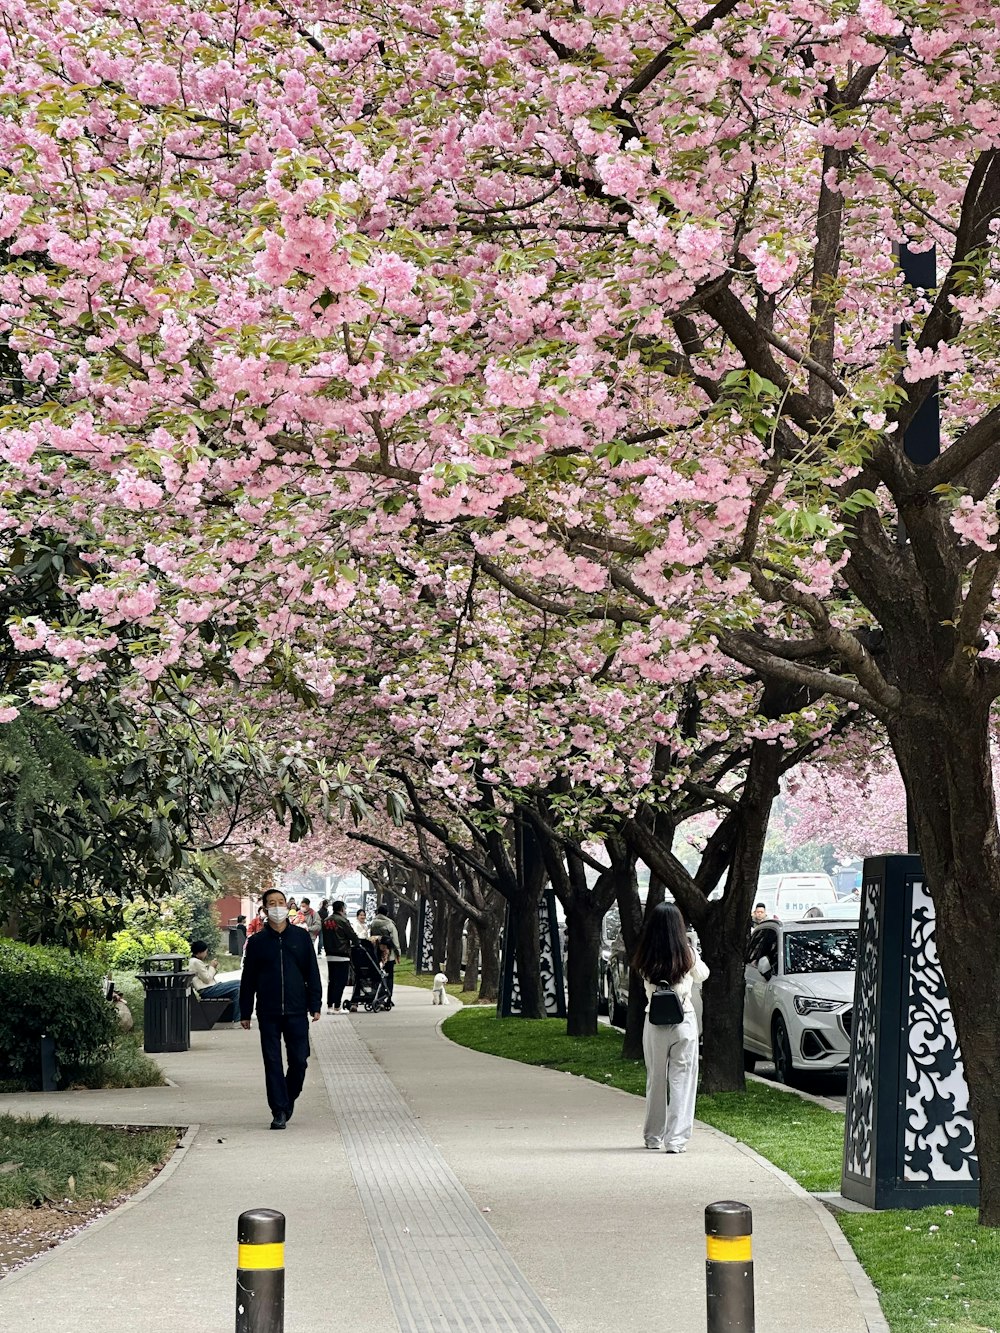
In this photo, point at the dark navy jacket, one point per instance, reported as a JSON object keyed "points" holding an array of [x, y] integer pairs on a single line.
{"points": [[280, 974]]}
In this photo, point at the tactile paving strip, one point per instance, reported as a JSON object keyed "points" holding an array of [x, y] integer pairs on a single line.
{"points": [[444, 1266]]}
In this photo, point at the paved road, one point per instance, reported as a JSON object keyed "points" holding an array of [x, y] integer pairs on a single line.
{"points": [[415, 1176]]}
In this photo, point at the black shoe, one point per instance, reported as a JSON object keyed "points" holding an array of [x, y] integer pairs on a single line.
{"points": [[288, 1115], [279, 1121]]}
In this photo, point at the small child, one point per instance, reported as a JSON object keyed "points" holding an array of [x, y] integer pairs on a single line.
{"points": [[437, 994]]}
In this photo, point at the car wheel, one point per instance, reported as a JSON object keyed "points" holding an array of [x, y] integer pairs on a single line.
{"points": [[617, 1012], [749, 1061], [781, 1051]]}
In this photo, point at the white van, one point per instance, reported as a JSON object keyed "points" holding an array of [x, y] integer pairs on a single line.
{"points": [[790, 896]]}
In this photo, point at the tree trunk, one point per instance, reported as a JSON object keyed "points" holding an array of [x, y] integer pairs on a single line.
{"points": [[454, 933], [470, 978], [948, 774], [583, 948], [405, 917], [489, 954], [527, 951], [524, 903], [724, 951], [723, 935], [489, 957]]}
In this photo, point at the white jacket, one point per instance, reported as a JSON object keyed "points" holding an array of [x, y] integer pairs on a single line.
{"points": [[204, 973], [695, 977]]}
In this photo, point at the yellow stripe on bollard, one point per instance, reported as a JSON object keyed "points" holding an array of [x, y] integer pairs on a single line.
{"points": [[729, 1249], [261, 1256]]}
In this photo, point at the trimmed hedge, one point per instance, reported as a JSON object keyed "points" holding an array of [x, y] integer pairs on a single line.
{"points": [[49, 991]]}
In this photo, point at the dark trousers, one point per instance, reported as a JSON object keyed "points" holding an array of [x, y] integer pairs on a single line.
{"points": [[282, 1088], [390, 975], [337, 973]]}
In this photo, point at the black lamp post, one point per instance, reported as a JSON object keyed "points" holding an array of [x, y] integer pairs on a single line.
{"points": [[922, 438]]}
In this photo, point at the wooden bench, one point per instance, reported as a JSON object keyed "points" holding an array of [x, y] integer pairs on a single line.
{"points": [[206, 1013]]}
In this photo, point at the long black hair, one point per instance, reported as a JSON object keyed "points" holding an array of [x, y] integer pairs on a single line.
{"points": [[663, 952]]}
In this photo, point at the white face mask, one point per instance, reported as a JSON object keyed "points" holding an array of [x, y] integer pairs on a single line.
{"points": [[277, 913]]}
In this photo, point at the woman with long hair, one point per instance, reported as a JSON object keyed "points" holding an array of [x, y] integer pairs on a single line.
{"points": [[664, 957]]}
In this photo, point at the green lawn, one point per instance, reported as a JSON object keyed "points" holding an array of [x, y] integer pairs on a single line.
{"points": [[934, 1273], [406, 976], [940, 1280], [48, 1160]]}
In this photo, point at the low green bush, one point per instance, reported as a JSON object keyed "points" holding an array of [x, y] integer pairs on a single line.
{"points": [[46, 991], [126, 950]]}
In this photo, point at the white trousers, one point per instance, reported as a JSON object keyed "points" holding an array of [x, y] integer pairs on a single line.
{"points": [[671, 1055]]}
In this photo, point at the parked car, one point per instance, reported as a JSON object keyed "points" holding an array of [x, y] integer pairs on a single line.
{"points": [[799, 996], [611, 929], [847, 909]]}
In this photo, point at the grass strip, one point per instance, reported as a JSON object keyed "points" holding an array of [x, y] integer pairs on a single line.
{"points": [[407, 976], [46, 1160], [936, 1270]]}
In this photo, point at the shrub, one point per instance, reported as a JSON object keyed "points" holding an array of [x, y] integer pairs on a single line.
{"points": [[203, 923], [126, 950], [48, 991]]}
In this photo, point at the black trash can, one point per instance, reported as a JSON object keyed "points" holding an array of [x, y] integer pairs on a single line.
{"points": [[237, 937], [166, 1016]]}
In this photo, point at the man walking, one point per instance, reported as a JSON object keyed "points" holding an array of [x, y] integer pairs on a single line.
{"points": [[281, 976]]}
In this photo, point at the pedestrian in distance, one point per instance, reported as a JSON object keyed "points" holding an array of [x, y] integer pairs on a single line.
{"points": [[361, 924], [322, 911], [665, 959], [257, 922], [339, 941], [759, 914], [281, 980], [309, 918], [383, 927]]}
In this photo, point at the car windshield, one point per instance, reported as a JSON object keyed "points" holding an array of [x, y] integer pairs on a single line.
{"points": [[821, 950]]}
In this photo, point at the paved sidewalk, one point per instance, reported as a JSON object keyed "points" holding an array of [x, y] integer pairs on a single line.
{"points": [[427, 1189]]}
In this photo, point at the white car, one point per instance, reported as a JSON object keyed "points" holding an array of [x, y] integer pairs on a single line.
{"points": [[799, 996]]}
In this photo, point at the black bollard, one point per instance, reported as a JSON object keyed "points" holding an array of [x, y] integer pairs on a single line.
{"points": [[729, 1267], [50, 1071], [260, 1272]]}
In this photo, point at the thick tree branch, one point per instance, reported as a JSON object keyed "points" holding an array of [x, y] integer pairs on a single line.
{"points": [[970, 446], [660, 62], [771, 666]]}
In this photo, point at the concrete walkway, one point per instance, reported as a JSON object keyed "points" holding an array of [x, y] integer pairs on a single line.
{"points": [[427, 1189]]}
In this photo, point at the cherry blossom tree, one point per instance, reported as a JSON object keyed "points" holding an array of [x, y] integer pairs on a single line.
{"points": [[857, 802], [604, 296]]}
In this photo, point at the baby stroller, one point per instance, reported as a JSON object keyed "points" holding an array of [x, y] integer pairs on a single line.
{"points": [[371, 985]]}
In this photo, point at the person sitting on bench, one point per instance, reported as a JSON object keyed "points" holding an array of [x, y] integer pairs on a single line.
{"points": [[204, 979]]}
